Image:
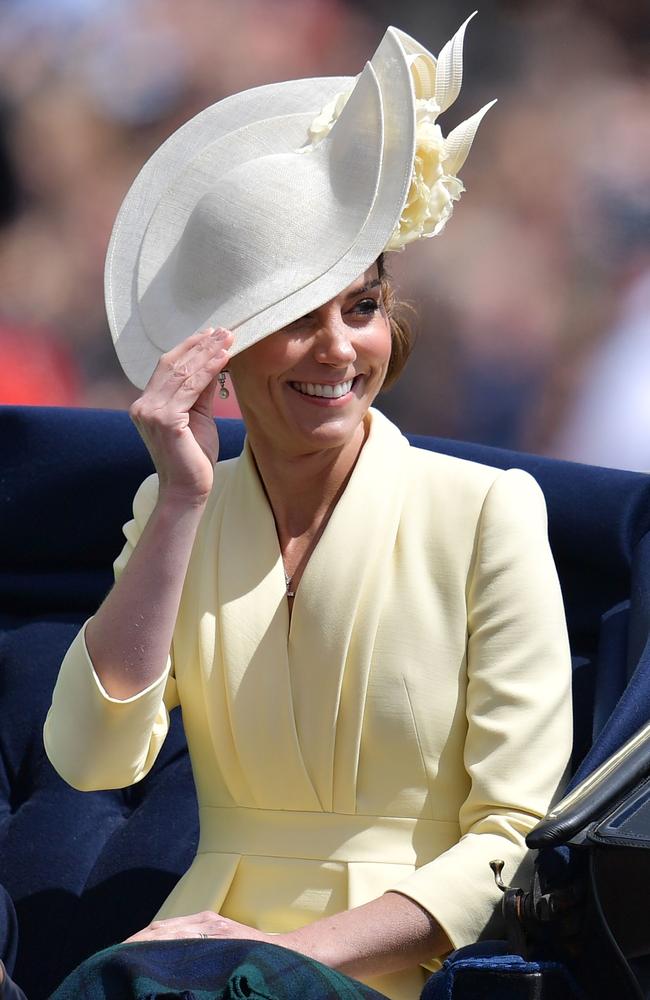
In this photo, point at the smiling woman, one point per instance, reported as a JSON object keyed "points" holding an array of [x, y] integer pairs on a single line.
{"points": [[312, 382], [304, 393], [367, 640]]}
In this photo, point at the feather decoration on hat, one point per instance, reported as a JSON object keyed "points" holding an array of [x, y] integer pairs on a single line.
{"points": [[434, 185]]}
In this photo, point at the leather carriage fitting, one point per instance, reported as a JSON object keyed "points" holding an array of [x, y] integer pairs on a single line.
{"points": [[603, 908], [474, 973]]}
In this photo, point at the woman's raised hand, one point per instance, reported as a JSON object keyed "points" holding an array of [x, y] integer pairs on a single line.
{"points": [[174, 415], [130, 636]]}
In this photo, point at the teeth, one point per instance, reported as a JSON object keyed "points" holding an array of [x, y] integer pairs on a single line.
{"points": [[325, 391]]}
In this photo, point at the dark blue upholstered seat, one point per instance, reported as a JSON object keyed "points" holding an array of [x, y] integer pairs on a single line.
{"points": [[86, 869]]}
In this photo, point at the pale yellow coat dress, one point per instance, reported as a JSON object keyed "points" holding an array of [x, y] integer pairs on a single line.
{"points": [[411, 723]]}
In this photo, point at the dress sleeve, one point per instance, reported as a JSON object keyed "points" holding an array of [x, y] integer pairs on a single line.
{"points": [[519, 718], [93, 740]]}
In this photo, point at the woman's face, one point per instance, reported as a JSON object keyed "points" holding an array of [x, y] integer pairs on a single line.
{"points": [[308, 386]]}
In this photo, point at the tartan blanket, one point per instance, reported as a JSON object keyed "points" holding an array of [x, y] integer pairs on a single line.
{"points": [[192, 969]]}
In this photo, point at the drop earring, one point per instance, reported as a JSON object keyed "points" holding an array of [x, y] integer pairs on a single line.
{"points": [[223, 391]]}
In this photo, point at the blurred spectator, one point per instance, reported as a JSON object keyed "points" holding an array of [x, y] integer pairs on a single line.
{"points": [[607, 418], [609, 421], [36, 369], [10, 192]]}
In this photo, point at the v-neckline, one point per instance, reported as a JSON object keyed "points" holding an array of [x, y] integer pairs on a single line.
{"points": [[285, 674], [314, 544]]}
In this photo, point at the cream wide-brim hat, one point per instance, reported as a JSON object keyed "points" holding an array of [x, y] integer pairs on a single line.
{"points": [[243, 219]]}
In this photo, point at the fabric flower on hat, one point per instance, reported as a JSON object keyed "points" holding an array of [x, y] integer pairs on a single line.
{"points": [[323, 122], [433, 190]]}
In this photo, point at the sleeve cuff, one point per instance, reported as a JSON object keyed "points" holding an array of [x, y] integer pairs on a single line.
{"points": [[153, 689], [458, 888]]}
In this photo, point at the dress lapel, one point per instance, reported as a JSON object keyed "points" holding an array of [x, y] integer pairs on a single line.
{"points": [[253, 627]]}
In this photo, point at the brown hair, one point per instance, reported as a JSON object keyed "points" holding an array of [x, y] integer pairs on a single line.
{"points": [[401, 334]]}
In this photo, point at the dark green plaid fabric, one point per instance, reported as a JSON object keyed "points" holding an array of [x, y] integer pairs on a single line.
{"points": [[207, 970]]}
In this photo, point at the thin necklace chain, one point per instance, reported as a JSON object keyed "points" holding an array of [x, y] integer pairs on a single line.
{"points": [[287, 582]]}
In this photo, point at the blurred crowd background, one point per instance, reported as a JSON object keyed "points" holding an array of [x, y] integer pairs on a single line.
{"points": [[532, 309]]}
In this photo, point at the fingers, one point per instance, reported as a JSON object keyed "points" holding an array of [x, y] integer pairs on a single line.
{"points": [[218, 336], [206, 925], [183, 373], [174, 413], [192, 365]]}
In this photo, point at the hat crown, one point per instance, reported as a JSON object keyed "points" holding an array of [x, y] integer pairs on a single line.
{"points": [[254, 232], [269, 223]]}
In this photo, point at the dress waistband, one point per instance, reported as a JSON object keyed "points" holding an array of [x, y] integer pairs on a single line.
{"points": [[321, 836]]}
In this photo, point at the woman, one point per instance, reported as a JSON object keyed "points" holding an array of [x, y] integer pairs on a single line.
{"points": [[367, 640]]}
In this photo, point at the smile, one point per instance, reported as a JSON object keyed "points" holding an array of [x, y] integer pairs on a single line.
{"points": [[324, 391]]}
